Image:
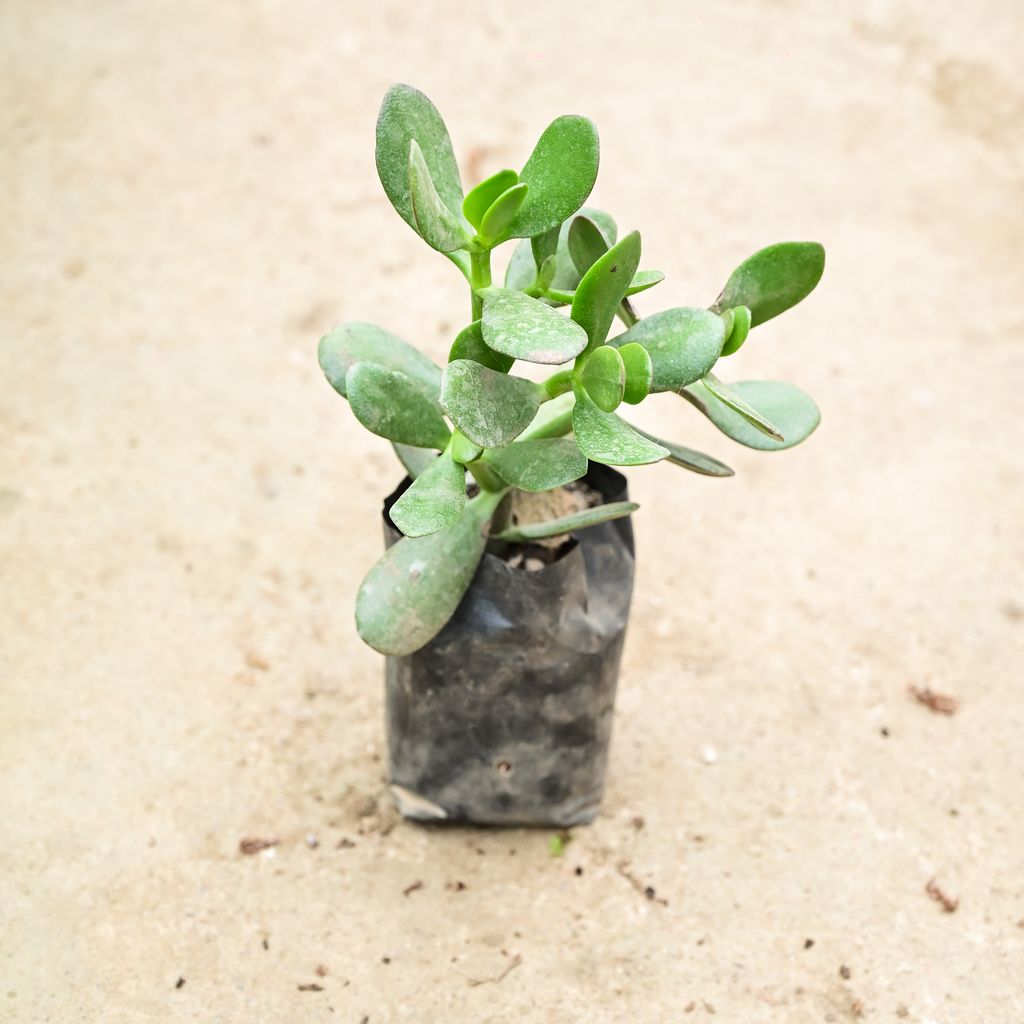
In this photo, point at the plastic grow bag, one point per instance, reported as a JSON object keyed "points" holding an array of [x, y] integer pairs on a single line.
{"points": [[505, 717]]}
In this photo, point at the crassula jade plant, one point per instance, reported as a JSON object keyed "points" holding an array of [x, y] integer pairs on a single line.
{"points": [[509, 432]]}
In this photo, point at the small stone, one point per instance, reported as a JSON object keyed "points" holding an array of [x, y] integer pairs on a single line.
{"points": [[709, 755], [311, 841], [534, 565]]}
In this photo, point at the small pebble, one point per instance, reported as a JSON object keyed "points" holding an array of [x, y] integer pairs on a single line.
{"points": [[534, 565], [311, 841], [709, 755]]}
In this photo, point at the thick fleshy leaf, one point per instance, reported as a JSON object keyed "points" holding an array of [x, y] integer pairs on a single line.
{"points": [[586, 243], [406, 114], [568, 524], [604, 286], [545, 244], [526, 328], [689, 458], [390, 405], [414, 460], [522, 268], [644, 279], [409, 595], [521, 272], [773, 279], [737, 327], [734, 401], [433, 500], [561, 171], [469, 344], [639, 372], [791, 410], [490, 408], [501, 212], [684, 344], [436, 224], [539, 465], [604, 437], [546, 273], [479, 198], [604, 377], [352, 343]]}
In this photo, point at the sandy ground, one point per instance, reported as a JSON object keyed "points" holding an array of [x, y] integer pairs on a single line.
{"points": [[188, 202]]}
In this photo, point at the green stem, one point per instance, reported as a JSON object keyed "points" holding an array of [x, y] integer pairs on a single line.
{"points": [[626, 313], [480, 277], [486, 477], [557, 384]]}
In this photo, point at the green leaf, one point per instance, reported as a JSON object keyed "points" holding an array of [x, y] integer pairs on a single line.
{"points": [[546, 273], [603, 437], [479, 198], [639, 372], [604, 377], [539, 465], [544, 245], [409, 595], [644, 279], [433, 501], [436, 224], [586, 243], [558, 842], [737, 329], [389, 404], [604, 286], [791, 410], [414, 460], [689, 458], [773, 279], [522, 268], [490, 408], [684, 344], [568, 524], [521, 272], [728, 397], [525, 328], [561, 171], [469, 344], [497, 219], [407, 115], [353, 343]]}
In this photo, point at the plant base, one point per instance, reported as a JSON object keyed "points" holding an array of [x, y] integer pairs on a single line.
{"points": [[506, 716]]}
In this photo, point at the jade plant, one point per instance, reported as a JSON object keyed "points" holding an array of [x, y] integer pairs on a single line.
{"points": [[505, 430]]}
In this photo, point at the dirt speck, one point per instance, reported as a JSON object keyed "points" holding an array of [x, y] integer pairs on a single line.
{"points": [[941, 703], [251, 846], [948, 903]]}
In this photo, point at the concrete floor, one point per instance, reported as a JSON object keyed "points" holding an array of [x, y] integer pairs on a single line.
{"points": [[186, 509]]}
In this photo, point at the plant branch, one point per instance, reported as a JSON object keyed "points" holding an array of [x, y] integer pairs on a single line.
{"points": [[480, 277]]}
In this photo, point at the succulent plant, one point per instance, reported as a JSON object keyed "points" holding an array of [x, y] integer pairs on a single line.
{"points": [[508, 431]]}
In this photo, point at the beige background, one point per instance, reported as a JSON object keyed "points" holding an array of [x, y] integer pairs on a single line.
{"points": [[188, 202]]}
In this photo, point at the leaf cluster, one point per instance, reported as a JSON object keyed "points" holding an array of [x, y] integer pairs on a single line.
{"points": [[569, 278]]}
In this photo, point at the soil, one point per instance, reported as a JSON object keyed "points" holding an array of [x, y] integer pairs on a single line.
{"points": [[537, 508], [186, 510]]}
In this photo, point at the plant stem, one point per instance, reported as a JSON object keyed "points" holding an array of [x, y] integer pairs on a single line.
{"points": [[626, 313], [486, 477], [557, 384], [480, 277]]}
